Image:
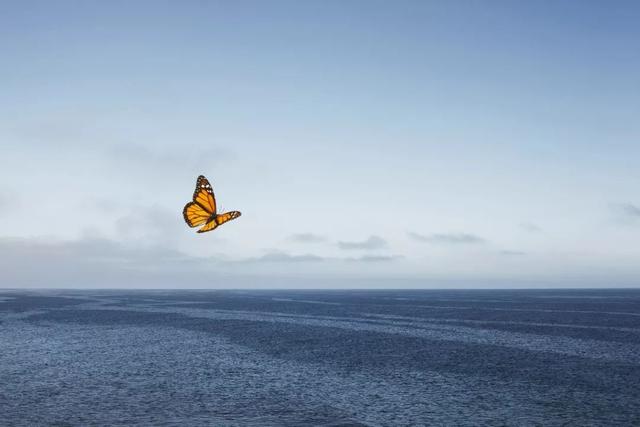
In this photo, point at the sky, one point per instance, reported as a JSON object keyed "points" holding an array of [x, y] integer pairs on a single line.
{"points": [[367, 143]]}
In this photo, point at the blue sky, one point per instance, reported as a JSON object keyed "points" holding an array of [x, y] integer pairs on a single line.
{"points": [[406, 143]]}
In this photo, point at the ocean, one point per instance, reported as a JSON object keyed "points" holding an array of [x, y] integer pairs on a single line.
{"points": [[320, 358]]}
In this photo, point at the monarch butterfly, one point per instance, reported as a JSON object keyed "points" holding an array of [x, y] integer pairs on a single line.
{"points": [[203, 208]]}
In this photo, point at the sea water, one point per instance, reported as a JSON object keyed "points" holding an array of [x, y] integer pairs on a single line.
{"points": [[328, 358]]}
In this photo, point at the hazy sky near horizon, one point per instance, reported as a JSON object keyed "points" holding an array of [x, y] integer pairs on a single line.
{"points": [[425, 143]]}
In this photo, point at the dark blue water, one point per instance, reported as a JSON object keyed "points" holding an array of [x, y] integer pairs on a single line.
{"points": [[563, 357]]}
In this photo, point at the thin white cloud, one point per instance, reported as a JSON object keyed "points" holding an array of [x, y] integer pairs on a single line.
{"points": [[512, 253], [628, 211], [373, 242], [307, 238], [151, 225], [374, 258], [10, 201], [91, 262], [530, 227], [447, 238], [625, 214], [283, 257], [4, 203]]}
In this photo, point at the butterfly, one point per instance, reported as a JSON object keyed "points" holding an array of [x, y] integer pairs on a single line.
{"points": [[203, 208]]}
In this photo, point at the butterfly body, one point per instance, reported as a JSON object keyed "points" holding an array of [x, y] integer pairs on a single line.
{"points": [[203, 210]]}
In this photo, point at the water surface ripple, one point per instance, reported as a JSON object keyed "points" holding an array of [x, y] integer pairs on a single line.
{"points": [[328, 358]]}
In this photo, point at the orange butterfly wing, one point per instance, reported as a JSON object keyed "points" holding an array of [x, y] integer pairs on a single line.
{"points": [[203, 207], [194, 215], [219, 220], [203, 195]]}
